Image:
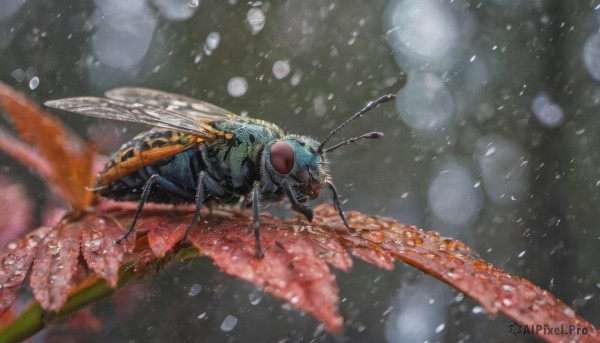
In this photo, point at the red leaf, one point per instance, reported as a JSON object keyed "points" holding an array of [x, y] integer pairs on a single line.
{"points": [[16, 261], [55, 265], [70, 159], [163, 237], [295, 266], [454, 263], [99, 249], [291, 268]]}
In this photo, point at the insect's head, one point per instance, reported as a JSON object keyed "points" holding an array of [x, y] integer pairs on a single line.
{"points": [[300, 161], [295, 159]]}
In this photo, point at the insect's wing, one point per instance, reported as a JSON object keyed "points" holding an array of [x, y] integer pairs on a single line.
{"points": [[138, 113], [195, 109]]}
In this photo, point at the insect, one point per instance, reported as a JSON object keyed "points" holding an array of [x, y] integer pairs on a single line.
{"points": [[201, 153]]}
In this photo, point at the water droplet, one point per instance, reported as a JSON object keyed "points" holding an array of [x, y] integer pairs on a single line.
{"points": [[296, 78], [440, 328], [255, 297], [202, 315], [281, 69], [551, 285], [569, 312], [12, 246], [506, 302], [374, 236], [212, 42], [229, 323], [194, 290], [549, 113], [237, 86], [34, 83], [521, 254], [194, 3], [256, 18], [508, 288], [9, 260], [54, 248], [477, 309]]}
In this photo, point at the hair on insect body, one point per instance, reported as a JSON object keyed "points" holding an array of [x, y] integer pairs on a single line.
{"points": [[200, 153]]}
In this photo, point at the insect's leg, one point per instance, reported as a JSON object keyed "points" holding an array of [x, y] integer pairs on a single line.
{"points": [[256, 219], [199, 199], [336, 203], [143, 198], [167, 185], [296, 205]]}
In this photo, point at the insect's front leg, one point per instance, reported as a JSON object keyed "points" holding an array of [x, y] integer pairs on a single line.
{"points": [[336, 203], [256, 218], [296, 205]]}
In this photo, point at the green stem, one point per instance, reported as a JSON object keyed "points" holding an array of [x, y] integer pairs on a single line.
{"points": [[34, 318]]}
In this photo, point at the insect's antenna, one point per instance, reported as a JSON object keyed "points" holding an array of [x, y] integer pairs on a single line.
{"points": [[370, 106], [370, 135]]}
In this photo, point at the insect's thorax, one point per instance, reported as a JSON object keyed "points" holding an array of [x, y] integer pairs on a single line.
{"points": [[236, 162]]}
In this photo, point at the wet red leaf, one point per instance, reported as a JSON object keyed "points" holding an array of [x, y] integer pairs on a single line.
{"points": [[16, 260], [70, 159], [454, 263], [296, 262], [55, 264], [292, 268], [98, 247], [162, 238]]}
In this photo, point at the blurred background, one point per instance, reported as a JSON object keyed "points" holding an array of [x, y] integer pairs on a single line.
{"points": [[494, 139]]}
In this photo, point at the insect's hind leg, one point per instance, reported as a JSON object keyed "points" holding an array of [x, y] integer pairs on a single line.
{"points": [[161, 181], [200, 196]]}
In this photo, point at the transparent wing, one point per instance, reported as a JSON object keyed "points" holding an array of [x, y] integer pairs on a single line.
{"points": [[193, 108], [137, 113]]}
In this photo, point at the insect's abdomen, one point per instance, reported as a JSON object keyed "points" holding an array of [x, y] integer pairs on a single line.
{"points": [[143, 150], [180, 169]]}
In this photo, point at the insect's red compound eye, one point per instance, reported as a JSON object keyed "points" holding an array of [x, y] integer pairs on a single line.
{"points": [[282, 157]]}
